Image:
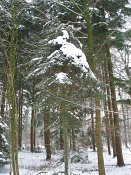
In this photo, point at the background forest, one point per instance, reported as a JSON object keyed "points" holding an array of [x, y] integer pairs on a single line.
{"points": [[65, 80]]}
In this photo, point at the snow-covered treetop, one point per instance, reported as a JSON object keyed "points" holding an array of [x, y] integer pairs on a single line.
{"points": [[69, 50], [62, 64]]}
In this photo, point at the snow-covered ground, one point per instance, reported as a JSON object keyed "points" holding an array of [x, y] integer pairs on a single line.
{"points": [[35, 164]]}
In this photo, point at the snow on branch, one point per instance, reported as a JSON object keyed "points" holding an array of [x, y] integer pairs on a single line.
{"points": [[60, 39], [62, 78], [75, 54]]}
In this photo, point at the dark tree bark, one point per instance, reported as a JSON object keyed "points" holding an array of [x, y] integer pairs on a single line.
{"points": [[32, 130], [107, 127], [93, 132], [106, 118], [61, 139], [2, 111], [112, 130], [73, 140], [92, 62], [20, 120], [120, 161], [11, 92], [3, 104], [124, 122], [33, 113], [47, 134]]}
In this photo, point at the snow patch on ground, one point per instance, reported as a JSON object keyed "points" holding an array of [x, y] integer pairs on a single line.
{"points": [[35, 163]]}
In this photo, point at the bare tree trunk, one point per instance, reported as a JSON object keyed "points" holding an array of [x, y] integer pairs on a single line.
{"points": [[3, 97], [47, 134], [11, 93], [128, 124], [106, 119], [3, 103], [34, 143], [120, 161], [61, 139], [61, 128], [64, 127], [93, 132], [112, 130], [20, 118], [65, 130], [1, 143], [2, 111], [66, 159], [124, 122], [97, 98], [73, 140], [99, 138], [107, 129], [32, 130]]}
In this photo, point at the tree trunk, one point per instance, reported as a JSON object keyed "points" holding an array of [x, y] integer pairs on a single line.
{"points": [[66, 159], [61, 139], [106, 119], [93, 132], [97, 98], [128, 124], [32, 131], [65, 131], [110, 111], [47, 134], [107, 127], [1, 143], [73, 140], [124, 122], [11, 93], [61, 129], [34, 140], [3, 97], [3, 104], [20, 118], [2, 116], [99, 138], [120, 161]]}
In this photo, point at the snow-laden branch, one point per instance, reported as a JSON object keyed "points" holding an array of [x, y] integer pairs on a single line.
{"points": [[62, 78], [69, 50]]}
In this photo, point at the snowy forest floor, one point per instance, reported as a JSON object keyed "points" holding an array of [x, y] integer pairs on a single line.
{"points": [[35, 164]]}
